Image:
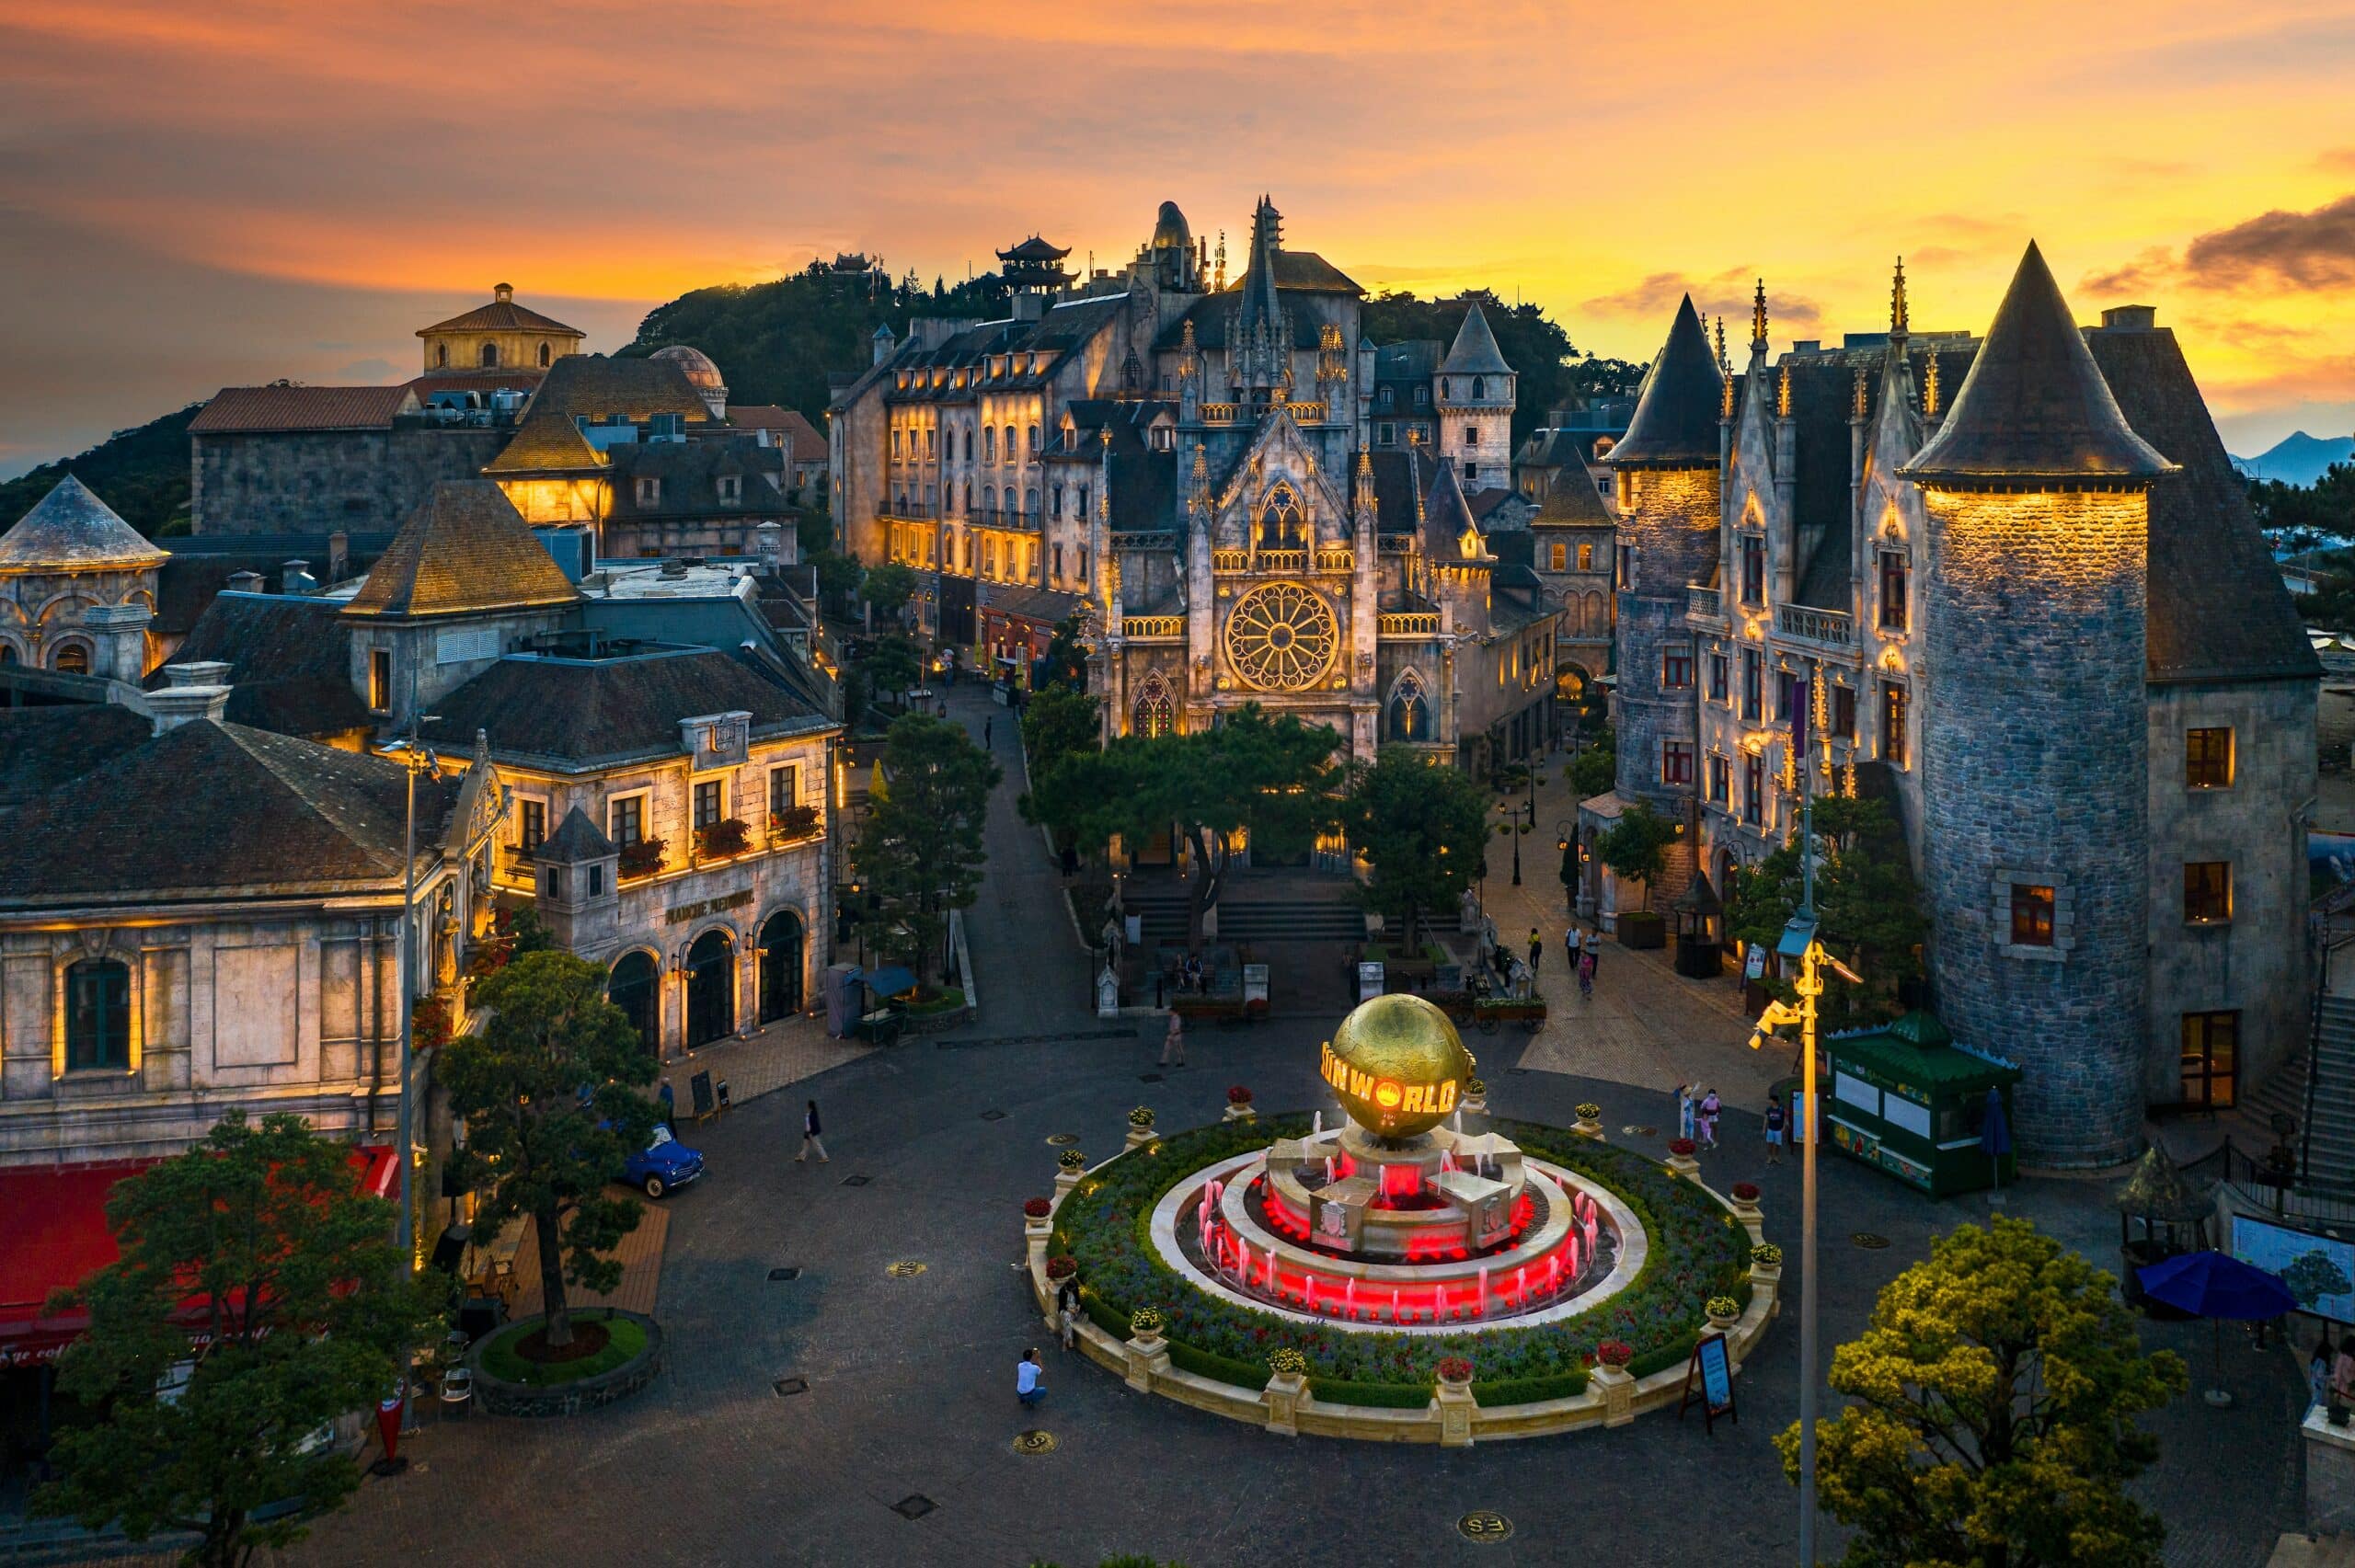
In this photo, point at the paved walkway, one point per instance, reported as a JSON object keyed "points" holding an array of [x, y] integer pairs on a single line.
{"points": [[780, 1053], [640, 1254]]}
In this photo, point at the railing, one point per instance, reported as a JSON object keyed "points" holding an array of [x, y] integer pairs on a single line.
{"points": [[1263, 560], [1153, 625], [908, 512], [1830, 627], [1408, 623], [1336, 560], [1219, 413], [1000, 517], [1703, 603]]}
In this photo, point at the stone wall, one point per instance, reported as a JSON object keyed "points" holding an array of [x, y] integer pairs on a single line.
{"points": [[2256, 963], [318, 481], [2034, 771], [1671, 521]]}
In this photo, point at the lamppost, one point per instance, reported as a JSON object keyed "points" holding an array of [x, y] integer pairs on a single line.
{"points": [[1518, 819], [1565, 839], [416, 757]]}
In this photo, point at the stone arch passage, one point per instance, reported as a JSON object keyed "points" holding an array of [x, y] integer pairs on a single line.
{"points": [[782, 943], [635, 987], [711, 987]]}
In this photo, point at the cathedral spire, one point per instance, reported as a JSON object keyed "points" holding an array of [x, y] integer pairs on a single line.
{"points": [[1725, 365], [1898, 322], [1197, 494], [1758, 320], [1363, 502]]}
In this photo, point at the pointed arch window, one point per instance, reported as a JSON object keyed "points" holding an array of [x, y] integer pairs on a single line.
{"points": [[1280, 523], [1479, 388], [1409, 712], [1155, 715]]}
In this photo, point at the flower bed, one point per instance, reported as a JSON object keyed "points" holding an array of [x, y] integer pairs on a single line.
{"points": [[1697, 1251]]}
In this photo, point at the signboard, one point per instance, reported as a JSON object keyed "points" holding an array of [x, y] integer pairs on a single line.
{"points": [[1850, 1139], [2319, 1270], [699, 1093], [1254, 983], [1369, 981], [679, 914], [1712, 1371]]}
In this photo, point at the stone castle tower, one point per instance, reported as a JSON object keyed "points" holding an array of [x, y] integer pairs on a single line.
{"points": [[2034, 738], [1668, 464], [1476, 391]]}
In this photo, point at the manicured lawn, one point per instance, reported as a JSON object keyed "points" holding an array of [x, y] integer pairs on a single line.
{"points": [[500, 1360]]}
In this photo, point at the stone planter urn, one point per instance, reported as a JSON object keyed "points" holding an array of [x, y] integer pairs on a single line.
{"points": [[1147, 1352], [1589, 1122], [1684, 1165], [1454, 1404], [1069, 1167], [1240, 1112], [1140, 1126], [1722, 1322], [1617, 1387], [1139, 1136], [1287, 1383]]}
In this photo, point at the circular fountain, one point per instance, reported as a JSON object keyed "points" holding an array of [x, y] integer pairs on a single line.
{"points": [[1400, 1216]]}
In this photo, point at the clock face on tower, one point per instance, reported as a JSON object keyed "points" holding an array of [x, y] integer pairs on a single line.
{"points": [[1281, 637]]}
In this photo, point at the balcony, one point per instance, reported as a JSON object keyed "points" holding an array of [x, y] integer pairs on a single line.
{"points": [[1144, 627], [1230, 561], [1825, 628], [1408, 623], [908, 512], [1704, 604], [796, 825], [1000, 517]]}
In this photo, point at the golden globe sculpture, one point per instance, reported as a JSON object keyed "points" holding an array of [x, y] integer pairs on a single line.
{"points": [[1397, 1066]]}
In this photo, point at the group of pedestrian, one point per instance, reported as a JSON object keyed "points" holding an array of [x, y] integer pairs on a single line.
{"points": [[1585, 951], [1697, 1109]]}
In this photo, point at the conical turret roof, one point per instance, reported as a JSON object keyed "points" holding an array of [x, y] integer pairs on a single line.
{"points": [[1476, 351], [69, 528], [1676, 419], [2034, 405]]}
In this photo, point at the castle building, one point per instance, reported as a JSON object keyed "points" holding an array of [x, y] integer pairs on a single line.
{"points": [[2012, 586], [1206, 472], [77, 588]]}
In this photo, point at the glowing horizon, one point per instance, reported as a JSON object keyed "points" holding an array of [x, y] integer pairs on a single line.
{"points": [[267, 191]]}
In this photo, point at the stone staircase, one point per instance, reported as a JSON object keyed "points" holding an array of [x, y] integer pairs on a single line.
{"points": [[1254, 908], [2329, 1120]]}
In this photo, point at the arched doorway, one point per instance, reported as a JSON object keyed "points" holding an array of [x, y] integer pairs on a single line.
{"points": [[781, 953], [1726, 865], [636, 988], [711, 987]]}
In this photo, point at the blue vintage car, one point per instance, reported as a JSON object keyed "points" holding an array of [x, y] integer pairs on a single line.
{"points": [[663, 1165]]}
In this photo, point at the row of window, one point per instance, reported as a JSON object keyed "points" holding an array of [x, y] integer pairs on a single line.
{"points": [[1559, 557], [989, 442], [489, 356], [730, 488], [2206, 900], [1894, 574], [625, 815]]}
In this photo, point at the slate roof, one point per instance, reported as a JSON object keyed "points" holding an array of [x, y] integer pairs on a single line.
{"points": [[1147, 489], [196, 574], [2217, 609], [502, 315], [576, 838], [1676, 414], [206, 809], [42, 748], [1401, 475], [1045, 605], [1303, 272], [1571, 499], [546, 443], [1447, 515], [568, 714], [2034, 405], [690, 473], [1475, 351], [288, 658], [248, 409], [465, 549], [70, 527], [608, 389], [801, 437]]}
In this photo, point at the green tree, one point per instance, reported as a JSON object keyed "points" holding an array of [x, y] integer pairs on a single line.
{"points": [[838, 576], [1867, 904], [1536, 348], [1267, 781], [2325, 507], [921, 852], [1423, 829], [889, 586], [259, 1239], [893, 666], [1993, 1417], [550, 1094], [1057, 722], [1066, 661], [1635, 848], [1595, 770], [142, 473]]}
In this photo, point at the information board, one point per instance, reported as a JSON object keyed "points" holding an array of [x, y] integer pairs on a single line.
{"points": [[1708, 1377], [2318, 1270], [699, 1093], [1369, 981]]}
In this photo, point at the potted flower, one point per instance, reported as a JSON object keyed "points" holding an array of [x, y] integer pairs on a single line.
{"points": [[1723, 1312], [1144, 1326], [1680, 1156], [1142, 1116], [1038, 1217], [727, 837], [1238, 1104], [1476, 1095], [1062, 1267], [795, 822], [1589, 1122], [1614, 1353], [1745, 1200], [1073, 1161], [1765, 1262], [641, 857], [1286, 1362], [1455, 1371]]}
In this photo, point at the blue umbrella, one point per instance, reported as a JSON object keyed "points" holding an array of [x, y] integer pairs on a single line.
{"points": [[1995, 1134], [2217, 1285]]}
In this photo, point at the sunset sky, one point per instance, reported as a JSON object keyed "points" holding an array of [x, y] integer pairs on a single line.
{"points": [[198, 196]]}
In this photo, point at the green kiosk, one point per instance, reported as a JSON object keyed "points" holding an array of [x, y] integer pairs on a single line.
{"points": [[1906, 1099]]}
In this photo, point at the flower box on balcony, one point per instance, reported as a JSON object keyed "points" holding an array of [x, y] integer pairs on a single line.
{"points": [[794, 823], [729, 836], [641, 857]]}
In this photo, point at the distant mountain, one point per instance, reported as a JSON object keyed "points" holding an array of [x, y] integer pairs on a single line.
{"points": [[2297, 459], [142, 473]]}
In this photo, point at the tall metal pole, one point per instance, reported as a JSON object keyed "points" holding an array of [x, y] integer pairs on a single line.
{"points": [[407, 1230], [1810, 986]]}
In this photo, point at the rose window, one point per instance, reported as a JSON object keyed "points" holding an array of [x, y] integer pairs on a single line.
{"points": [[1281, 637]]}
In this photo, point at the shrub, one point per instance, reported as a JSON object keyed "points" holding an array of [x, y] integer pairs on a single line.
{"points": [[1614, 1353], [1287, 1361], [1379, 1396], [1745, 1191], [1238, 1095], [1038, 1209], [1529, 1391], [625, 1339], [1589, 1111], [1454, 1369], [1723, 1306], [1659, 1358], [1767, 1252], [1072, 1160], [1682, 1146], [1062, 1267], [1142, 1116], [1218, 1368], [1144, 1320]]}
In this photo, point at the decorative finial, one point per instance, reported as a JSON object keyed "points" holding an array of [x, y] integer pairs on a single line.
{"points": [[1783, 393], [1856, 409], [1898, 320], [1725, 395], [1758, 320], [1725, 366], [1930, 387], [1221, 279]]}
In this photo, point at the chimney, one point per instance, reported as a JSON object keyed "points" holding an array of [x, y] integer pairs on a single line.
{"points": [[338, 554], [885, 344], [297, 578], [245, 582], [196, 690], [768, 543], [1029, 305], [2131, 318]]}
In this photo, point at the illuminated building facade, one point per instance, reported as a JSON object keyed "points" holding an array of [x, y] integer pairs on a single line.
{"points": [[2016, 588]]}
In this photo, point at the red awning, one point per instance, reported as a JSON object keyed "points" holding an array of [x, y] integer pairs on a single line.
{"points": [[53, 1233]]}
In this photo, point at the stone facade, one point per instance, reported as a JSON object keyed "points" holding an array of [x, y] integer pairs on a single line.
{"points": [[1667, 538], [363, 481]]}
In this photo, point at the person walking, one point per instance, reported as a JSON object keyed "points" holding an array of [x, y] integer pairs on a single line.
{"points": [[670, 1103], [1776, 1118], [1571, 946], [1708, 1116], [1536, 950], [1067, 1312], [1173, 1044], [988, 724], [1029, 1378], [809, 1142], [1586, 972]]}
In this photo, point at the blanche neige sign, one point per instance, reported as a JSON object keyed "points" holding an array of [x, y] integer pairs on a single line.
{"points": [[679, 914]]}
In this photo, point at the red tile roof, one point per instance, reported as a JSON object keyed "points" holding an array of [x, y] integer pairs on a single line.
{"points": [[502, 315], [289, 407]]}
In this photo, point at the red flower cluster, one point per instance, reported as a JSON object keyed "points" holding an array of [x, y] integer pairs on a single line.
{"points": [[1038, 1209], [1680, 1146], [1455, 1369], [1062, 1267], [1746, 1191], [1238, 1095], [1614, 1353]]}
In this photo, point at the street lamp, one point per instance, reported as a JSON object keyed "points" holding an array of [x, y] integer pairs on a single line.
{"points": [[416, 757], [1518, 819], [1565, 839]]}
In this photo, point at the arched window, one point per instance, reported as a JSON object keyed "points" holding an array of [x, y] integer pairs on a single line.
{"points": [[635, 987], [1479, 388], [544, 356], [781, 947], [1012, 452], [7, 653], [989, 444], [1154, 714], [490, 356], [711, 987], [441, 355], [1446, 387], [989, 499], [966, 509], [1409, 714], [73, 659], [97, 1016], [1279, 520]]}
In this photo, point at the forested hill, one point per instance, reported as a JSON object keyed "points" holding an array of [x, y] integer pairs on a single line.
{"points": [[776, 342], [142, 473]]}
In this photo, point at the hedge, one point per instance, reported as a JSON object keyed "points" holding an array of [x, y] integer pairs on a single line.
{"points": [[1697, 1250], [1529, 1391], [1382, 1396], [1219, 1368]]}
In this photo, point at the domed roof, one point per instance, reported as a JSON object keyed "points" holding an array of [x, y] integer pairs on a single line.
{"points": [[70, 529], [1170, 231], [694, 364]]}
